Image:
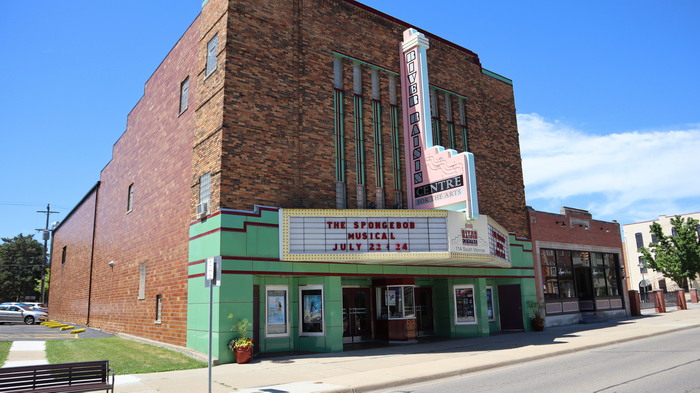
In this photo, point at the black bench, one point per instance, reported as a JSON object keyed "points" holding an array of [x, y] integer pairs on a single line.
{"points": [[58, 378]]}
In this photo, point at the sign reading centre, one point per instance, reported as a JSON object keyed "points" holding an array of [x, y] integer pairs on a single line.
{"points": [[437, 178], [386, 237]]}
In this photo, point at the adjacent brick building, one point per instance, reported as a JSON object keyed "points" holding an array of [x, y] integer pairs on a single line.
{"points": [[269, 114], [581, 265]]}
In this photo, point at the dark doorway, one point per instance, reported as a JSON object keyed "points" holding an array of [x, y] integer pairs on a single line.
{"points": [[424, 311], [584, 288], [256, 317], [510, 307], [357, 315]]}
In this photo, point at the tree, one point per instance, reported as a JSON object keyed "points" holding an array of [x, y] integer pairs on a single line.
{"points": [[676, 257], [21, 263]]}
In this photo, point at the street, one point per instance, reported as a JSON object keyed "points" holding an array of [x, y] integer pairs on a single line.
{"points": [[667, 363]]}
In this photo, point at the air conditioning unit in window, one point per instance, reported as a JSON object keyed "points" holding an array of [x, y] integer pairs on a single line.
{"points": [[202, 209]]}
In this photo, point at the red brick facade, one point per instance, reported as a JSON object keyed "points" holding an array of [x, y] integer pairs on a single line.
{"points": [[154, 154], [263, 125], [277, 131]]}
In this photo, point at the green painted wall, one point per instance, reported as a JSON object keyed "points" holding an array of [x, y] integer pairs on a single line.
{"points": [[248, 243]]}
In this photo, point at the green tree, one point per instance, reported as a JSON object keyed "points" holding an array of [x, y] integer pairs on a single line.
{"points": [[21, 263], [676, 257]]}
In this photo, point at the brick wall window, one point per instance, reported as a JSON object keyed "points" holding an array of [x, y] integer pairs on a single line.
{"points": [[339, 119], [205, 188], [184, 94], [640, 241], [142, 282], [130, 198], [435, 117], [463, 124], [159, 308], [212, 48], [395, 141], [63, 255]]}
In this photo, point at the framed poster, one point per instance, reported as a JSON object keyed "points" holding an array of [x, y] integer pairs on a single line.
{"points": [[489, 303], [311, 303], [465, 309], [276, 317]]}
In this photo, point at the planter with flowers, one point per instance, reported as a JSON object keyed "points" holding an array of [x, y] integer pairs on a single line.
{"points": [[536, 315], [242, 347]]}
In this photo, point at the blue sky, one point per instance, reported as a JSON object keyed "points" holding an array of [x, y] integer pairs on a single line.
{"points": [[607, 95]]}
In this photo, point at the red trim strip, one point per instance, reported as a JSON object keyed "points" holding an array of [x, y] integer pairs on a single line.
{"points": [[353, 274], [257, 212], [229, 258], [242, 230]]}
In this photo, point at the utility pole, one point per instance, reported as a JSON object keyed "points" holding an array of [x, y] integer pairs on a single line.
{"points": [[46, 236]]}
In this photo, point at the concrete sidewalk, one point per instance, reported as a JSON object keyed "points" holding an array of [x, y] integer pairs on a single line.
{"points": [[370, 369]]}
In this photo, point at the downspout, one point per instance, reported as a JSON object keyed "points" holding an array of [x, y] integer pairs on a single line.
{"points": [[92, 254]]}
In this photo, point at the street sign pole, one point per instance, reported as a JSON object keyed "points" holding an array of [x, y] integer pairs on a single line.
{"points": [[212, 278]]}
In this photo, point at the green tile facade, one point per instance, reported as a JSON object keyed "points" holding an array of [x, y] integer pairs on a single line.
{"points": [[249, 245]]}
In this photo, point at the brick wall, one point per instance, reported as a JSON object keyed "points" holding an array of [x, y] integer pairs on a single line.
{"points": [[155, 155], [277, 131], [70, 277], [574, 228]]}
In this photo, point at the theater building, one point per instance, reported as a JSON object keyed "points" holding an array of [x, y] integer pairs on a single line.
{"points": [[580, 266], [329, 172]]}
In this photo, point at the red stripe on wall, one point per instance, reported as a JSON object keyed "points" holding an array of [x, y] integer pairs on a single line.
{"points": [[355, 274], [246, 224]]}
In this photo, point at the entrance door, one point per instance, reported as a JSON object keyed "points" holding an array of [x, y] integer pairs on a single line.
{"points": [[510, 307], [584, 288], [357, 315], [424, 311]]}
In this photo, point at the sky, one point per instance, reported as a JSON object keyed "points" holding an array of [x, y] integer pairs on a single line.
{"points": [[606, 93]]}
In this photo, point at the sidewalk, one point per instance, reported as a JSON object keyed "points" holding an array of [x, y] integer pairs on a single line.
{"points": [[370, 369]]}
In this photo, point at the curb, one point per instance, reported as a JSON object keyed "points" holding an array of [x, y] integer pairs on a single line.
{"points": [[505, 363]]}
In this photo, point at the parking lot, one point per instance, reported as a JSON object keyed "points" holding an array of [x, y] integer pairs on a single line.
{"points": [[20, 332]]}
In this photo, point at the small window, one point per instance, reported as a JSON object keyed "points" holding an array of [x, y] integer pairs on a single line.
{"points": [[276, 316], [159, 308], [184, 94], [63, 255], [142, 282], [311, 309], [212, 48], [205, 188], [130, 198], [465, 309], [674, 232], [639, 239]]}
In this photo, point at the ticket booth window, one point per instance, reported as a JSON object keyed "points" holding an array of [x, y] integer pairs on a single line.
{"points": [[397, 302]]}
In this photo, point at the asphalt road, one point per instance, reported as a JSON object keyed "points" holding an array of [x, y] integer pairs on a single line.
{"points": [[667, 363], [21, 332]]}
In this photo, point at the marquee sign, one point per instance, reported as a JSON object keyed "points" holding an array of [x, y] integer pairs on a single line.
{"points": [[435, 237], [436, 178]]}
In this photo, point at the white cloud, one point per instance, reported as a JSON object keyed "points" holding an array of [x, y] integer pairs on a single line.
{"points": [[629, 177]]}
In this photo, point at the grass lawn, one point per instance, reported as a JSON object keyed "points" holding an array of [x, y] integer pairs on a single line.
{"points": [[125, 356], [4, 351]]}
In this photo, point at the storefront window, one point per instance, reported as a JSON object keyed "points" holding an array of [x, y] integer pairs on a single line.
{"points": [[565, 274], [276, 317], [549, 273], [311, 304], [613, 279], [558, 274], [465, 309], [599, 277]]}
